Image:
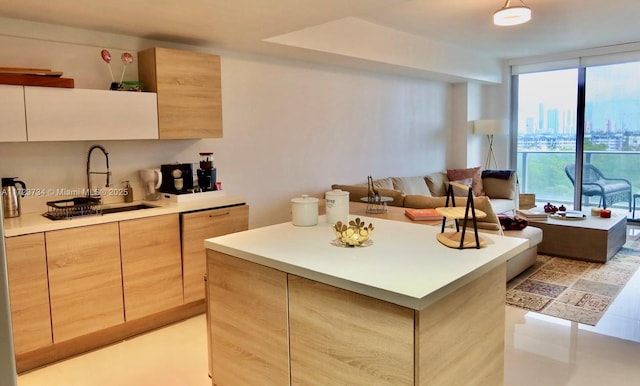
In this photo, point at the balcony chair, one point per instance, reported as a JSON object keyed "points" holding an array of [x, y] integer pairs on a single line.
{"points": [[594, 183]]}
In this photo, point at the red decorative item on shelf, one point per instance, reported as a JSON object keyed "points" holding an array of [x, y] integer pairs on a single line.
{"points": [[605, 213]]}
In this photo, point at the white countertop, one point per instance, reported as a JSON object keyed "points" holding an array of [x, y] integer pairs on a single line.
{"points": [[406, 265], [35, 222]]}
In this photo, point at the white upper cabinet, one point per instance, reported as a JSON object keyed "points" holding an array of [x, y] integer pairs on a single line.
{"points": [[12, 121], [55, 114]]}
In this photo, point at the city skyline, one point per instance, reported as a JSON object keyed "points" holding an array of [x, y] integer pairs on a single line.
{"points": [[547, 101]]}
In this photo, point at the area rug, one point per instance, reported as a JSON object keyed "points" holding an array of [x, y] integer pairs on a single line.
{"points": [[571, 289]]}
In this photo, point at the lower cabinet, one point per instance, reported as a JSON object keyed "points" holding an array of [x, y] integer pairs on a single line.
{"points": [[248, 325], [151, 265], [109, 280], [198, 226], [28, 292], [85, 281]]}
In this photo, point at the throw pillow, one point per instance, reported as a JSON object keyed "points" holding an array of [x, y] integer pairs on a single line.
{"points": [[491, 221], [474, 173], [460, 192], [500, 188], [383, 183], [437, 183], [411, 185], [512, 223]]}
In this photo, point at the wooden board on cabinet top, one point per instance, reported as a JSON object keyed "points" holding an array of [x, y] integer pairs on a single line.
{"points": [[36, 80]]}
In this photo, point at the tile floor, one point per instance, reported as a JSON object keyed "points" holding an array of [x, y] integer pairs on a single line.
{"points": [[539, 350], [171, 356]]}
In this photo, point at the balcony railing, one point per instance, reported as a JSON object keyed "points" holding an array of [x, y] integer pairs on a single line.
{"points": [[542, 172]]}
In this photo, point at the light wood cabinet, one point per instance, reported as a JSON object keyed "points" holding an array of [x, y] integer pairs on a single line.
{"points": [[85, 281], [13, 127], [28, 292], [189, 91], [249, 325], [198, 226], [151, 265], [56, 114], [270, 327]]}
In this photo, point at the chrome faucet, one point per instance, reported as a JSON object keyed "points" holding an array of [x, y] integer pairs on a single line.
{"points": [[89, 172]]}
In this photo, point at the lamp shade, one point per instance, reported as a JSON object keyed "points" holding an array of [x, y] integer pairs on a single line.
{"points": [[512, 15], [490, 127]]}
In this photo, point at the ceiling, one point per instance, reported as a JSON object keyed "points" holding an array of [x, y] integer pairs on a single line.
{"points": [[256, 25]]}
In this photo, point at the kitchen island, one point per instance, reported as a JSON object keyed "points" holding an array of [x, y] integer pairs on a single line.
{"points": [[286, 306]]}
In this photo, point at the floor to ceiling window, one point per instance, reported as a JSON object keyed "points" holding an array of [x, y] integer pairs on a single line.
{"points": [[564, 138], [547, 133]]}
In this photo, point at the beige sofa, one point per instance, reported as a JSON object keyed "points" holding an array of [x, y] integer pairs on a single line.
{"points": [[500, 196], [410, 192]]}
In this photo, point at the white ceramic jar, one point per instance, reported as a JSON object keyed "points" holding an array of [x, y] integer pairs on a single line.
{"points": [[304, 211], [337, 206]]}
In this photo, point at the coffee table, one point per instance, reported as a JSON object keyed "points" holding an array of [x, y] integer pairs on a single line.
{"points": [[592, 239]]}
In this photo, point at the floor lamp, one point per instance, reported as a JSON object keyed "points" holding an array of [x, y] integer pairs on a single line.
{"points": [[490, 127]]}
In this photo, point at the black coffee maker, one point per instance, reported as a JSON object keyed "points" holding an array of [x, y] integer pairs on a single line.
{"points": [[207, 173], [176, 178]]}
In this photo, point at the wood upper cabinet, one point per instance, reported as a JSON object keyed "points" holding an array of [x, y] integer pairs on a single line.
{"points": [[13, 127], [85, 281], [151, 265], [198, 226], [28, 292], [188, 85], [57, 114]]}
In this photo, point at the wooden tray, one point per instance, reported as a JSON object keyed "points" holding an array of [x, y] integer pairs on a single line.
{"points": [[29, 71], [452, 239], [36, 80]]}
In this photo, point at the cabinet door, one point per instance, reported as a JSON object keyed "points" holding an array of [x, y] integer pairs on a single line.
{"points": [[189, 91], [198, 226], [12, 122], [151, 266], [28, 292], [56, 114], [248, 323], [85, 282]]}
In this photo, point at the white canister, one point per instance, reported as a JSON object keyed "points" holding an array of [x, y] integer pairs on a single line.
{"points": [[304, 211], [337, 206]]}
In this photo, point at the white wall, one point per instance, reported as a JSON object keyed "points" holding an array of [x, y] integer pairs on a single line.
{"points": [[289, 127]]}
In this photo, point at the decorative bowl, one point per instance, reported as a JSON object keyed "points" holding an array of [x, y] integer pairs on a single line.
{"points": [[356, 234]]}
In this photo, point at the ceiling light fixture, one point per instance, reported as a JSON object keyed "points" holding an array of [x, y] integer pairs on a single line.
{"points": [[512, 15]]}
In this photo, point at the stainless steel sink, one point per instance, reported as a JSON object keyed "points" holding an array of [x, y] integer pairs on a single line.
{"points": [[127, 208]]}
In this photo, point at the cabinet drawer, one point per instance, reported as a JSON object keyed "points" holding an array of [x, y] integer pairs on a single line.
{"points": [[198, 226], [218, 221]]}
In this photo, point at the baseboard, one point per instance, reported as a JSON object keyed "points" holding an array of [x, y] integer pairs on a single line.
{"points": [[63, 350]]}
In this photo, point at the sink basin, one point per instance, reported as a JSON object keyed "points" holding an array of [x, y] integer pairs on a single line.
{"points": [[118, 209]]}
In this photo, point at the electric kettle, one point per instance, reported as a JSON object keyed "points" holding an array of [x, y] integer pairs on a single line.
{"points": [[11, 196]]}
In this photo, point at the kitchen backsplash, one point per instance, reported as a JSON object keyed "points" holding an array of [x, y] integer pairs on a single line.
{"points": [[56, 170]]}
